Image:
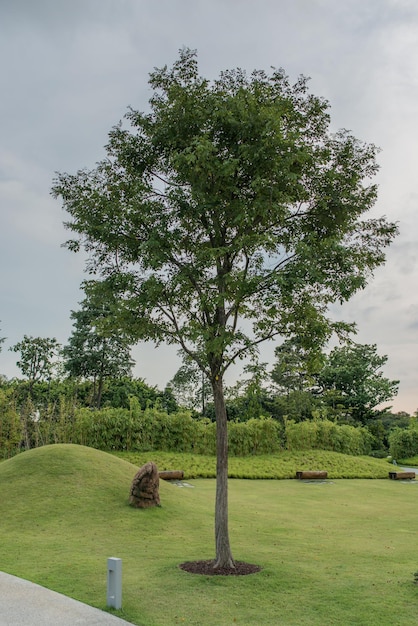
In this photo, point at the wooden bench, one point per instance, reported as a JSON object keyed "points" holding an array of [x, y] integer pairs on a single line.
{"points": [[402, 475], [309, 475], [171, 475]]}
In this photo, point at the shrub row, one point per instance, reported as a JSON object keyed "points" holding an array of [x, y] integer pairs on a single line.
{"points": [[326, 435], [151, 429], [141, 430]]}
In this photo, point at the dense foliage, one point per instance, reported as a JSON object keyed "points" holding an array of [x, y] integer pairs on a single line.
{"points": [[37, 413], [38, 357], [262, 419], [352, 381], [326, 435], [145, 428], [291, 413], [403, 442], [94, 354]]}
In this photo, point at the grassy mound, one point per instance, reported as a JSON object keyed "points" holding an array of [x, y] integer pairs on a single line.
{"points": [[59, 485], [339, 552], [273, 466], [65, 511]]}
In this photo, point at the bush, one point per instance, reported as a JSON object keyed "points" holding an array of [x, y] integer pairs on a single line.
{"points": [[403, 443], [379, 454], [266, 434], [326, 435], [140, 430], [109, 429]]}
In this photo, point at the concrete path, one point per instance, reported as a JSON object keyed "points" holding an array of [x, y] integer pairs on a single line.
{"points": [[23, 603]]}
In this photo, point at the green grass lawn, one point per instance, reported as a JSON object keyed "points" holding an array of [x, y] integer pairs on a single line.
{"points": [[340, 552]]}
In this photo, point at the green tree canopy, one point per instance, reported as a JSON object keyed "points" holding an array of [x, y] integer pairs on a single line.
{"points": [[38, 357], [352, 379], [226, 215], [295, 366], [94, 352]]}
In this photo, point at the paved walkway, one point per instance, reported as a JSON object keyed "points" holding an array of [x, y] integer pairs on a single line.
{"points": [[23, 603]]}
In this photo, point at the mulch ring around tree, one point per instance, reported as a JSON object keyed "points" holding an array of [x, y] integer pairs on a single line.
{"points": [[206, 568]]}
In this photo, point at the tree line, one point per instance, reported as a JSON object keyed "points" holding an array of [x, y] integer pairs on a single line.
{"points": [[94, 370]]}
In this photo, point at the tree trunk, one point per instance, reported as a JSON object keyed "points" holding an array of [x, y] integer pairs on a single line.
{"points": [[99, 393], [223, 551]]}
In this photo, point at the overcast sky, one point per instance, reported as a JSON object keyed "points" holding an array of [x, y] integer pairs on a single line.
{"points": [[69, 70]]}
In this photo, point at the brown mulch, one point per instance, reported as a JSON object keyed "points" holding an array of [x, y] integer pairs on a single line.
{"points": [[207, 568]]}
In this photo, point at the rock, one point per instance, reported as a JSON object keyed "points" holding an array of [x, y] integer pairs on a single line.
{"points": [[145, 487]]}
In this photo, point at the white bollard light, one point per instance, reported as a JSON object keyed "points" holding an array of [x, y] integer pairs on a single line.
{"points": [[114, 583]]}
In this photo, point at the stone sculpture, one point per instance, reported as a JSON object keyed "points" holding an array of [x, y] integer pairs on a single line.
{"points": [[145, 487]]}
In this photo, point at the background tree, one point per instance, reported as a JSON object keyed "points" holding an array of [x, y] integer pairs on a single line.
{"points": [[118, 393], [295, 366], [248, 398], [39, 361], [10, 429], [95, 352], [189, 386], [227, 215], [352, 379], [38, 357], [293, 375]]}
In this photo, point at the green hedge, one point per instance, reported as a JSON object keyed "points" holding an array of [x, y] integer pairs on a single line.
{"points": [[151, 429], [141, 430], [326, 435]]}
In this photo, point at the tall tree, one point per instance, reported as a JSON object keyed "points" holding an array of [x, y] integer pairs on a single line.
{"points": [[293, 375], [95, 351], [227, 215], [352, 378]]}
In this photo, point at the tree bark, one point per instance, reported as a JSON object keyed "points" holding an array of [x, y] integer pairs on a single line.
{"points": [[223, 551]]}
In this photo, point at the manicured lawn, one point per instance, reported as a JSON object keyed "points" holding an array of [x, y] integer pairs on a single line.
{"points": [[341, 552]]}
